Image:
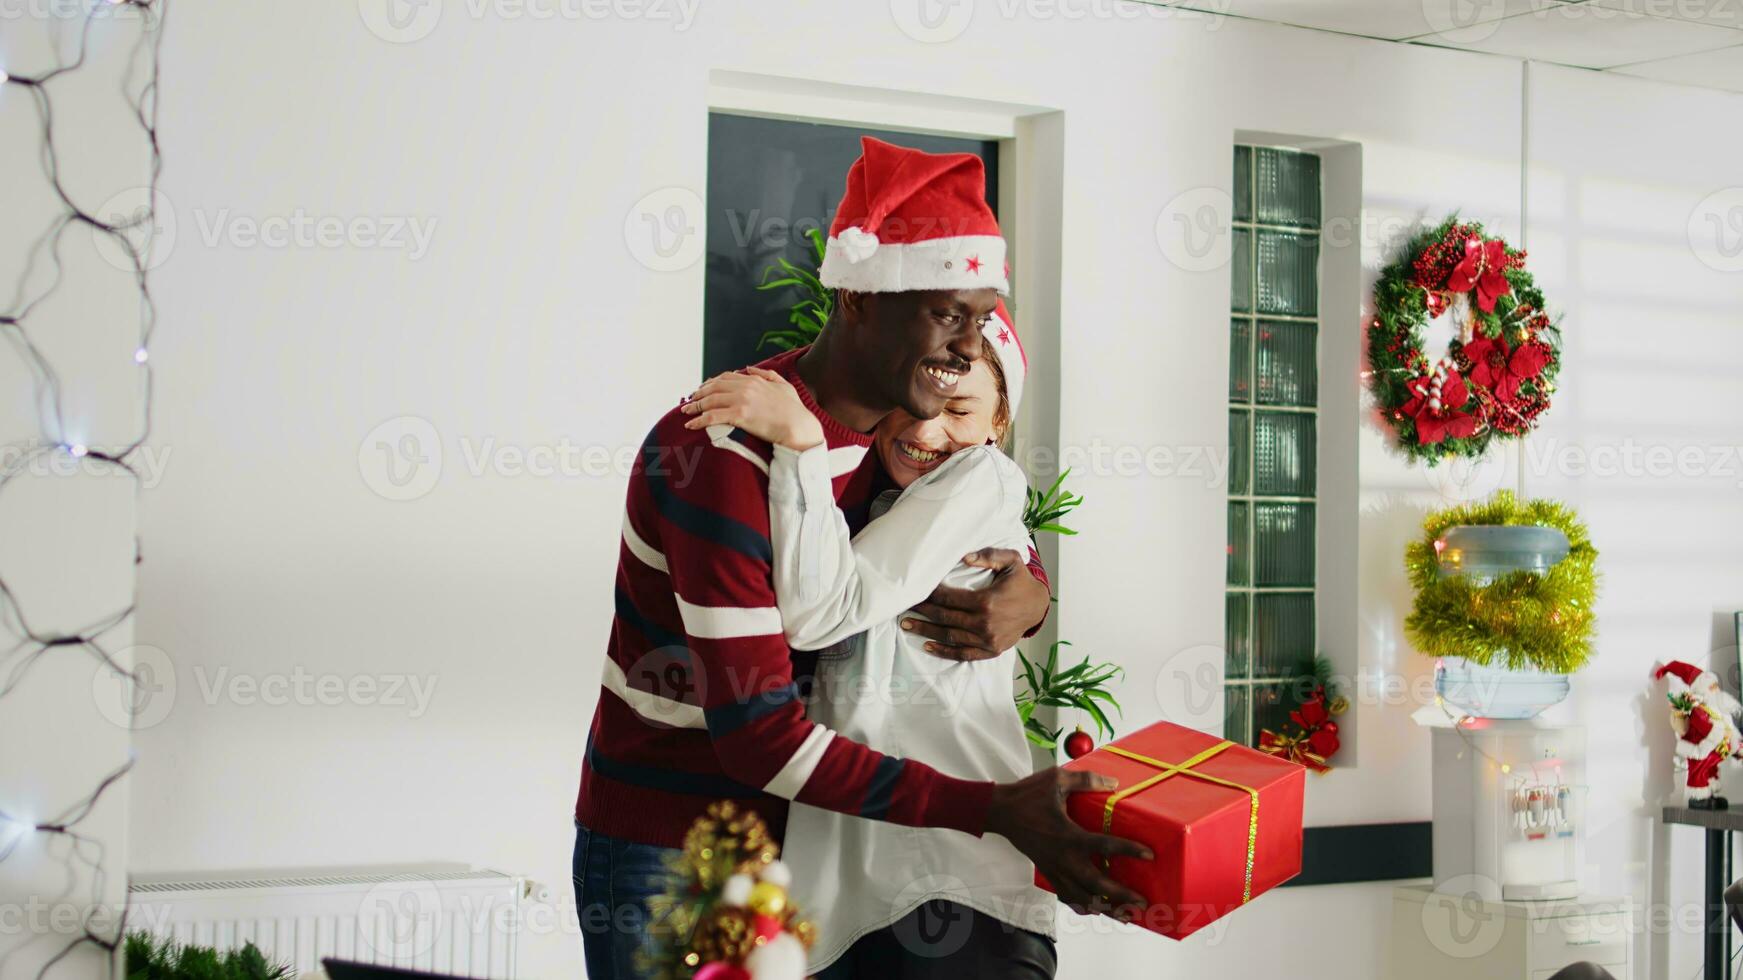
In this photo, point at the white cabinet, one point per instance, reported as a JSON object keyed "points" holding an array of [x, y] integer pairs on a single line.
{"points": [[1444, 936]]}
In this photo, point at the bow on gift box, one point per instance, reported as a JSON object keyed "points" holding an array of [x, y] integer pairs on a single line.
{"points": [[1316, 738]]}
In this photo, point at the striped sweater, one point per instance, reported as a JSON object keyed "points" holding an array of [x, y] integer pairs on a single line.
{"points": [[699, 701]]}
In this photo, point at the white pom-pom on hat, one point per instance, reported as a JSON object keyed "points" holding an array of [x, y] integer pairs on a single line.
{"points": [[856, 244], [736, 891], [777, 873], [781, 958]]}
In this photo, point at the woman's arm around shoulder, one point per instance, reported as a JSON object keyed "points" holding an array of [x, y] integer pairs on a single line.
{"points": [[830, 585]]}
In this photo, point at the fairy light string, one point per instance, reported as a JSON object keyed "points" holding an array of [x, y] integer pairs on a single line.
{"points": [[22, 320]]}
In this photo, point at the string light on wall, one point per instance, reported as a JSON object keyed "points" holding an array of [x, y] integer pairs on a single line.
{"points": [[131, 238]]}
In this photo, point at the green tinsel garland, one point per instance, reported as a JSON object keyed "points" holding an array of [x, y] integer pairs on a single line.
{"points": [[1524, 619]]}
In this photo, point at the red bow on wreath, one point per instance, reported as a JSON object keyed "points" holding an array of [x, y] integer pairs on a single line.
{"points": [[1484, 266], [1502, 369], [1436, 412]]}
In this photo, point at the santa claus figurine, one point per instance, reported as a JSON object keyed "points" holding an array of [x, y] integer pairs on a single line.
{"points": [[1704, 718]]}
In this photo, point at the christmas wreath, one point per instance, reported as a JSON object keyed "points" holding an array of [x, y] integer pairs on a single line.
{"points": [[1524, 619], [1496, 377]]}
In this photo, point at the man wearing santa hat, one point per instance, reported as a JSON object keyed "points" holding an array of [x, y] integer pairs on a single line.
{"points": [[1704, 719], [698, 701]]}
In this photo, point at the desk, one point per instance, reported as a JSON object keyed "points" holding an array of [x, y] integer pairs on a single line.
{"points": [[1718, 824]]}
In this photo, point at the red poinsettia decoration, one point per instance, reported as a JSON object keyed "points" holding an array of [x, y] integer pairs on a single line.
{"points": [[1315, 739], [1437, 411], [1483, 267], [1502, 369]]}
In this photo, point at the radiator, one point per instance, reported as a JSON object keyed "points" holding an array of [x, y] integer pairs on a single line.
{"points": [[440, 918]]}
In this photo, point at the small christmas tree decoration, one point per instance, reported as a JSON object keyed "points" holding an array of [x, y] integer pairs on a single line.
{"points": [[726, 914]]}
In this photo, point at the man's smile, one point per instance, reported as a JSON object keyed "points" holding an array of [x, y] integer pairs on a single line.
{"points": [[942, 378]]}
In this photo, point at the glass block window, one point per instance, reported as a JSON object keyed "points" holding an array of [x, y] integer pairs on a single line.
{"points": [[1273, 420]]}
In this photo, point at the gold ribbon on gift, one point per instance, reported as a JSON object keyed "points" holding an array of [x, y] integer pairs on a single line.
{"points": [[1169, 771]]}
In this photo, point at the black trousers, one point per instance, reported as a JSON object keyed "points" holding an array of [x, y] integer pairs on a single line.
{"points": [[946, 941]]}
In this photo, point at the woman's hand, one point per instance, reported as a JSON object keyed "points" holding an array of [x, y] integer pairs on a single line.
{"points": [[760, 402]]}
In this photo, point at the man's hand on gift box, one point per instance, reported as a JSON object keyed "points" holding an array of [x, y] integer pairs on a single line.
{"points": [[1031, 815]]}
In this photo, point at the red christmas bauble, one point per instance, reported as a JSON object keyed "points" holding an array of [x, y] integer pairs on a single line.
{"points": [[1330, 726], [1078, 744]]}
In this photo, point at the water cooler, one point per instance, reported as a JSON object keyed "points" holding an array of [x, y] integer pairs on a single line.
{"points": [[1509, 830], [1509, 803]]}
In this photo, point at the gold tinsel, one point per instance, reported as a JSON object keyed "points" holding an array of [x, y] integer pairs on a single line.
{"points": [[727, 935], [692, 926], [1521, 619]]}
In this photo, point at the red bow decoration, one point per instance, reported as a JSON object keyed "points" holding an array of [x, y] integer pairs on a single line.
{"points": [[1436, 424], [1315, 743], [1484, 266], [1295, 748], [1502, 369]]}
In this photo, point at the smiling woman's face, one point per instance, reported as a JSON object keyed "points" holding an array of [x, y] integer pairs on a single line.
{"points": [[910, 447]]}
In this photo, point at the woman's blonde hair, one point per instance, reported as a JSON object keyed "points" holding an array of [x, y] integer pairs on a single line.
{"points": [[1001, 414]]}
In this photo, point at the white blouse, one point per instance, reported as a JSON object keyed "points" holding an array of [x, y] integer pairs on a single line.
{"points": [[877, 685]]}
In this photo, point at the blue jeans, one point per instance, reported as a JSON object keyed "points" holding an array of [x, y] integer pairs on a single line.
{"points": [[613, 881]]}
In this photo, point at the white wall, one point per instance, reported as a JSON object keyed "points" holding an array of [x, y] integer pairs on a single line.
{"points": [[1657, 364], [277, 553]]}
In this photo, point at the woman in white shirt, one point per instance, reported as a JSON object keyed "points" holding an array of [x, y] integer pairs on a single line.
{"points": [[889, 900]]}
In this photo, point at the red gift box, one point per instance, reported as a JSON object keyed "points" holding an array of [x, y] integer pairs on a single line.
{"points": [[1223, 820]]}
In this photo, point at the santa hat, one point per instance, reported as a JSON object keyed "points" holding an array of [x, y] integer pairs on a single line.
{"points": [[914, 220], [1001, 333], [1682, 674]]}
